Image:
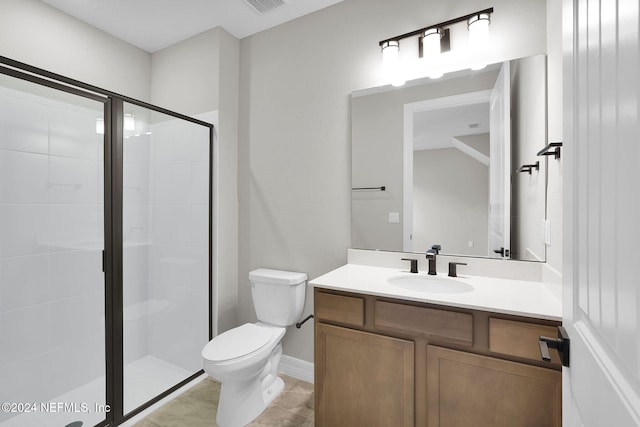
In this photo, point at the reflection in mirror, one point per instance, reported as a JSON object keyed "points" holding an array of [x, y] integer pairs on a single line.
{"points": [[447, 152]]}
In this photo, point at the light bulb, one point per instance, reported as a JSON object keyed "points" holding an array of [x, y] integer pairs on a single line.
{"points": [[479, 32], [431, 43], [390, 52], [391, 62], [479, 39]]}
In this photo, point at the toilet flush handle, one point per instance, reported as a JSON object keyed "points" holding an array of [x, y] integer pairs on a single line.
{"points": [[299, 324]]}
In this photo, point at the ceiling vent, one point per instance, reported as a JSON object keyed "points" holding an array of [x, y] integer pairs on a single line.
{"points": [[264, 6]]}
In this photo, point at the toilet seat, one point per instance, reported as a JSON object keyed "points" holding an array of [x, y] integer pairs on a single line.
{"points": [[237, 342]]}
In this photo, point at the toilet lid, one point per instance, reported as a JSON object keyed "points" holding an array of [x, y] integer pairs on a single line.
{"points": [[237, 342]]}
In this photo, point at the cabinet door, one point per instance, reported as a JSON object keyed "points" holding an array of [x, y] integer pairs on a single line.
{"points": [[363, 379], [470, 390]]}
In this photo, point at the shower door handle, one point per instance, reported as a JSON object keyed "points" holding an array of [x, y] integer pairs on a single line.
{"points": [[103, 260]]}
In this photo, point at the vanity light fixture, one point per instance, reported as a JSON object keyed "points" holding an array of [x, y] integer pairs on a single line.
{"points": [[433, 41], [391, 62], [431, 44], [478, 26]]}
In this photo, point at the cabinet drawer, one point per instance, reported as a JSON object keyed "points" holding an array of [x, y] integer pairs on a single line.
{"points": [[443, 325], [339, 308], [519, 338]]}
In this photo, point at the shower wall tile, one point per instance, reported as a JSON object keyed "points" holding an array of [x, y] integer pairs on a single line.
{"points": [[200, 270], [72, 181], [24, 125], [171, 264], [199, 222], [135, 270], [22, 230], [187, 333], [136, 185], [199, 185], [175, 305], [29, 379], [79, 356], [171, 225], [65, 324], [135, 339], [51, 210], [87, 359], [73, 134], [73, 227], [22, 334], [198, 144], [100, 182], [136, 151], [135, 291], [23, 282], [23, 177], [172, 183], [75, 273], [135, 223], [168, 144]]}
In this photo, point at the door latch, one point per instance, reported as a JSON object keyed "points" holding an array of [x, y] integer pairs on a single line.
{"points": [[562, 344]]}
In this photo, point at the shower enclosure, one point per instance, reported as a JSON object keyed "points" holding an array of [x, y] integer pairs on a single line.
{"points": [[105, 251]]}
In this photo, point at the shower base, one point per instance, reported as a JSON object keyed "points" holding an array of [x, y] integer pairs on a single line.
{"points": [[145, 378]]}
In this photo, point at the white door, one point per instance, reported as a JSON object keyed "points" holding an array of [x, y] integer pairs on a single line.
{"points": [[601, 269], [500, 166]]}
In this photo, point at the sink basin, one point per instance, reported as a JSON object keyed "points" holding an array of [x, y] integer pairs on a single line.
{"points": [[430, 284]]}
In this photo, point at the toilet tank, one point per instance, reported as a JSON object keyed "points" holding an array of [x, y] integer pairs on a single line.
{"points": [[278, 296]]}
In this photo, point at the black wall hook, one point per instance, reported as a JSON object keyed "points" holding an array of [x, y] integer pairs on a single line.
{"points": [[529, 168], [547, 151]]}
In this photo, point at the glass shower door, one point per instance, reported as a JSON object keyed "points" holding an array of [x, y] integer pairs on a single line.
{"points": [[52, 293], [166, 241]]}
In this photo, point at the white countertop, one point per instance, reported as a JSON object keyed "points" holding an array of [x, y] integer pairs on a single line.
{"points": [[517, 297]]}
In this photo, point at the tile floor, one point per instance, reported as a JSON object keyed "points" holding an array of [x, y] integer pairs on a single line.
{"points": [[197, 407]]}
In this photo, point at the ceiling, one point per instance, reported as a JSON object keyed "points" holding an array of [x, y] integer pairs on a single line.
{"points": [[434, 129], [155, 24]]}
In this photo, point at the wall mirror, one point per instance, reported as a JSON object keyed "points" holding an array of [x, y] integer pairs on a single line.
{"points": [[453, 162]]}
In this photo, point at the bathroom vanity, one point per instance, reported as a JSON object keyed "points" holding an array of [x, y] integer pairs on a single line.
{"points": [[389, 355]]}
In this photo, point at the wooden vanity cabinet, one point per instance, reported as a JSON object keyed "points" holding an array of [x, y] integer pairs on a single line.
{"points": [[386, 362], [367, 379]]}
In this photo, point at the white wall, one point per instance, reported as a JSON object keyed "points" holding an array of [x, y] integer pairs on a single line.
{"points": [[554, 134], [185, 77], [450, 208], [39, 35], [528, 136], [294, 126]]}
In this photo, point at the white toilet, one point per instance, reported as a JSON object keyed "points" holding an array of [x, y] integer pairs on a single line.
{"points": [[245, 359]]}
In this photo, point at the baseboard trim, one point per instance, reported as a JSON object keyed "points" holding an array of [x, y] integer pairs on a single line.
{"points": [[296, 368]]}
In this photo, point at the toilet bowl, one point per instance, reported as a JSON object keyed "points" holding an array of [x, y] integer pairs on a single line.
{"points": [[245, 359]]}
